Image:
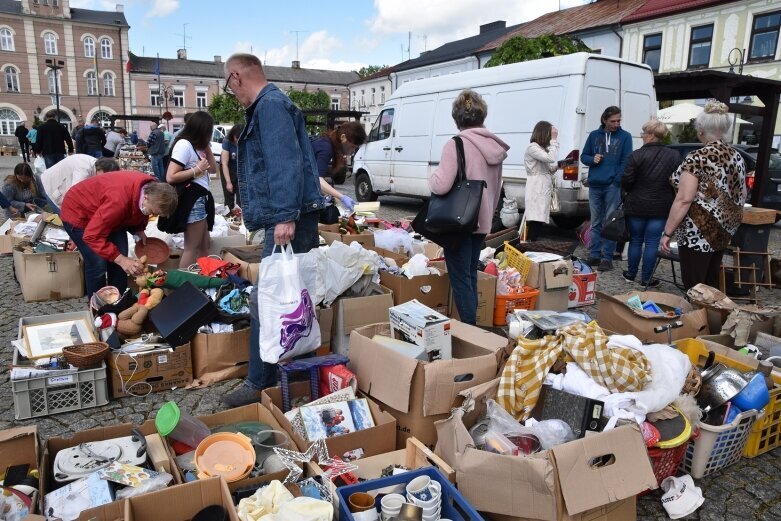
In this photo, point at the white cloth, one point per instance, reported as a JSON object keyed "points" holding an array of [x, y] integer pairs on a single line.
{"points": [[185, 155], [681, 497], [275, 503], [58, 179], [541, 166]]}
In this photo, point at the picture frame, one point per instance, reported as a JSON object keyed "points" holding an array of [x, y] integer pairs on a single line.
{"points": [[47, 339], [327, 420]]}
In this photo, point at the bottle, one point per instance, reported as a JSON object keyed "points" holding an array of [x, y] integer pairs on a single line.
{"points": [[766, 368]]}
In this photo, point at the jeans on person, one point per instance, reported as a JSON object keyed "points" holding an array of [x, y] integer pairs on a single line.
{"points": [[52, 159], [97, 154], [158, 167], [602, 201], [96, 268], [462, 269], [260, 374], [644, 231]]}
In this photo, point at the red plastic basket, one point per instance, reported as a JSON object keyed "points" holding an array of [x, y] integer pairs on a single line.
{"points": [[665, 462]]}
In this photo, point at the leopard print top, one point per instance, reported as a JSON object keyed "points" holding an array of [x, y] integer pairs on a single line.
{"points": [[717, 209]]}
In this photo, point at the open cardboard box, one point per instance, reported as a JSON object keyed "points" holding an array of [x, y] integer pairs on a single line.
{"points": [[486, 300], [49, 276], [377, 440], [430, 290], [419, 393], [19, 446], [220, 356], [181, 503], [592, 478], [353, 312], [330, 233], [161, 369], [247, 270]]}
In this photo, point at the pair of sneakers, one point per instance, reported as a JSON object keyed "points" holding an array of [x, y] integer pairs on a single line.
{"points": [[650, 284]]}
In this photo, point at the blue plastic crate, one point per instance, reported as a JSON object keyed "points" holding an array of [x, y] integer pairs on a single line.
{"points": [[454, 506]]}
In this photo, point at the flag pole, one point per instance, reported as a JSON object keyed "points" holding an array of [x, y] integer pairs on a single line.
{"points": [[159, 85]]}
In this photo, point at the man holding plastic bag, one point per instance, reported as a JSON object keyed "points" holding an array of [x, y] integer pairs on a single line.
{"points": [[280, 191]]}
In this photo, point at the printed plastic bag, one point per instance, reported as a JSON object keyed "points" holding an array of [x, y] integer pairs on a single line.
{"points": [[288, 323]]}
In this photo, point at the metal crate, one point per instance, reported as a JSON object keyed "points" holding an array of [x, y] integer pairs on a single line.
{"points": [[35, 397]]}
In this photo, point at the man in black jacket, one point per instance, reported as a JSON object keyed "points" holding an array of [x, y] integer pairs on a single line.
{"points": [[24, 143], [91, 139], [52, 137]]}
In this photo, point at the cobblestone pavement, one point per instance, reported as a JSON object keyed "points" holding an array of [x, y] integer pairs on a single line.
{"points": [[751, 489]]}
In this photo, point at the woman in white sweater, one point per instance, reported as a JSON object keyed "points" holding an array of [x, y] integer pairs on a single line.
{"points": [[541, 165]]}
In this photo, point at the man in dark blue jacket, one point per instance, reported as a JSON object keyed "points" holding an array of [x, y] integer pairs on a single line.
{"points": [[606, 152]]}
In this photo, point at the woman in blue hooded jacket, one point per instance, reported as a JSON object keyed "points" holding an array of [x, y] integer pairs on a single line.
{"points": [[606, 151]]}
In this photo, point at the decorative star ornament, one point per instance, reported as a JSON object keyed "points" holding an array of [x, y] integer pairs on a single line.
{"points": [[317, 451], [325, 493]]}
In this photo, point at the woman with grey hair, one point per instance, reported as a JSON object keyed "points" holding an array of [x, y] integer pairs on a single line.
{"points": [[708, 207], [483, 157]]}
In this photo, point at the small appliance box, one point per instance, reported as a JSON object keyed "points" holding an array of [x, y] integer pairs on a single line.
{"points": [[419, 324], [583, 290], [162, 369]]}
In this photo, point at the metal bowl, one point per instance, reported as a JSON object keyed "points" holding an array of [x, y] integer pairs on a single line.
{"points": [[720, 384]]}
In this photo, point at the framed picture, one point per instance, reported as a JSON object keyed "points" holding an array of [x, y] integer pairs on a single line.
{"points": [[362, 415], [44, 340], [327, 420]]}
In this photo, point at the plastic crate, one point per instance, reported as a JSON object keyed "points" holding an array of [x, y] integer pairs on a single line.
{"points": [[508, 303], [36, 397], [454, 506], [665, 462], [516, 259], [718, 446]]}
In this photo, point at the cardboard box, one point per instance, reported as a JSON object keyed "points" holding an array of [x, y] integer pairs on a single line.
{"points": [[486, 300], [419, 393], [581, 480], [49, 276], [377, 440], [330, 233], [430, 290], [232, 239], [247, 270], [162, 369], [220, 356], [553, 278], [325, 317], [583, 290], [19, 446], [399, 258], [417, 323], [616, 316], [352, 312], [181, 503]]}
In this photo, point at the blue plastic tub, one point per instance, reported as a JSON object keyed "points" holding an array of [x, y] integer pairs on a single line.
{"points": [[454, 506]]}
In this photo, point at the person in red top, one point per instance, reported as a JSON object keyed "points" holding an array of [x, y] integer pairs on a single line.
{"points": [[98, 213]]}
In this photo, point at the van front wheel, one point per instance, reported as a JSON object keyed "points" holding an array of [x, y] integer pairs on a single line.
{"points": [[363, 188], [567, 222]]}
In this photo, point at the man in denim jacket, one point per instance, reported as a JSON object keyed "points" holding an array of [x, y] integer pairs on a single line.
{"points": [[278, 184]]}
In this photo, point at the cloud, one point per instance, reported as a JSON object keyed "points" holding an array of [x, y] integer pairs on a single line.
{"points": [[162, 8], [315, 52]]}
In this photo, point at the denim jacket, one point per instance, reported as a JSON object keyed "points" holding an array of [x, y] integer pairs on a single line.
{"points": [[278, 179]]}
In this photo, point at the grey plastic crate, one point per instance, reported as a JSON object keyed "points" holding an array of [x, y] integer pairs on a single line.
{"points": [[35, 397]]}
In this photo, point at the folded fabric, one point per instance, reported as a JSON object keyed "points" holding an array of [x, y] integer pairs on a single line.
{"points": [[175, 278], [681, 497]]}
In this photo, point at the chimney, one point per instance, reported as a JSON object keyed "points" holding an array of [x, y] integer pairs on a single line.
{"points": [[120, 8], [296, 64], [217, 58], [181, 54], [493, 26]]}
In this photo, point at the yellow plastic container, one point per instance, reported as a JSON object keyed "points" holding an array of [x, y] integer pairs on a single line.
{"points": [[519, 261]]}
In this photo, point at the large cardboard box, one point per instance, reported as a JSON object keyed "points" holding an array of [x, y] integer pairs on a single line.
{"points": [[220, 356], [247, 270], [376, 440], [486, 300], [49, 276], [232, 239], [431, 290], [419, 393], [330, 233], [19, 446], [325, 317], [616, 316], [352, 312], [553, 278], [584, 479], [418, 324], [399, 258], [162, 369], [181, 503]]}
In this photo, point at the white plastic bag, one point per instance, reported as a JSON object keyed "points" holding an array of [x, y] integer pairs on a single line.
{"points": [[288, 323], [39, 165]]}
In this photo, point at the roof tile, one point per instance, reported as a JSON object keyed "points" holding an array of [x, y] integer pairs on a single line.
{"points": [[659, 8]]}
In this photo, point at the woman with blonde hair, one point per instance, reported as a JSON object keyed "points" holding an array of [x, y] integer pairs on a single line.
{"points": [[541, 165], [708, 207], [648, 198]]}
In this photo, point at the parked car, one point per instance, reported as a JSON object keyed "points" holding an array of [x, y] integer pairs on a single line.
{"points": [[218, 134], [771, 197]]}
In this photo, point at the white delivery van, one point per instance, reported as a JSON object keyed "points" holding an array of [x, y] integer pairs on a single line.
{"points": [[405, 143]]}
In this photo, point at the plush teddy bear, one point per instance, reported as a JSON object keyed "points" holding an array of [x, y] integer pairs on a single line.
{"points": [[130, 322], [150, 298]]}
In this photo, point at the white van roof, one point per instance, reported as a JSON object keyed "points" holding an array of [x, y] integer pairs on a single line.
{"points": [[571, 64]]}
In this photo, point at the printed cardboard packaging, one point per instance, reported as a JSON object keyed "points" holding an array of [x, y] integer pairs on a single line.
{"points": [[417, 323], [162, 369]]}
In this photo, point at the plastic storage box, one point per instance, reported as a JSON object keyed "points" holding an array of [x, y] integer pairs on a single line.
{"points": [[506, 304], [454, 506]]}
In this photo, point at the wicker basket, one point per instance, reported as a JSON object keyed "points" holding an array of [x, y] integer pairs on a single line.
{"points": [[86, 355]]}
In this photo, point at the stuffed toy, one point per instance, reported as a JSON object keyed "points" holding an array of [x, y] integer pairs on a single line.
{"points": [[131, 321], [150, 298]]}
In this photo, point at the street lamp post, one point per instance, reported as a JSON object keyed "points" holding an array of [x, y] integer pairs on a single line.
{"points": [[56, 66], [167, 92]]}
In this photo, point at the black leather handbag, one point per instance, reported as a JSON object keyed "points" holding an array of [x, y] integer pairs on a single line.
{"points": [[454, 213], [615, 228]]}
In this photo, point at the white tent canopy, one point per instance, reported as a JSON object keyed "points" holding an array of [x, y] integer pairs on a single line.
{"points": [[683, 113]]}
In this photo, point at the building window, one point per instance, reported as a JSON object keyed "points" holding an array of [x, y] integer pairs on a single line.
{"points": [[764, 36], [652, 51], [200, 99], [6, 39], [382, 94], [699, 47], [105, 48], [54, 84], [9, 120], [179, 97], [49, 43], [363, 98], [89, 47], [335, 102], [108, 84], [11, 79], [103, 117], [373, 100], [154, 96], [92, 84]]}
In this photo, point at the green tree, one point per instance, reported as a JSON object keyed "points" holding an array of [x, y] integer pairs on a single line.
{"points": [[369, 70], [521, 49], [225, 108], [688, 133], [317, 100]]}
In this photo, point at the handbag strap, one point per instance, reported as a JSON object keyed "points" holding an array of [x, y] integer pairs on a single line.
{"points": [[461, 170]]}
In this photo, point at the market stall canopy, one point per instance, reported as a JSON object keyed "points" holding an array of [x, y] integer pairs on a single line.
{"points": [[685, 112]]}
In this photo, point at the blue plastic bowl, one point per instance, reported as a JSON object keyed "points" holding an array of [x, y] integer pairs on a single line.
{"points": [[754, 396]]}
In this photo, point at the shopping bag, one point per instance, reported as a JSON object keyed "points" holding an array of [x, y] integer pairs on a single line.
{"points": [[39, 165], [288, 324], [614, 228]]}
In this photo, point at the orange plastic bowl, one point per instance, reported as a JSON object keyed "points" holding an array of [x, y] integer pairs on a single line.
{"points": [[227, 454], [156, 250]]}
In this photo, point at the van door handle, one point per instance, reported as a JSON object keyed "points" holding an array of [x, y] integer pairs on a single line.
{"points": [[398, 149], [386, 148]]}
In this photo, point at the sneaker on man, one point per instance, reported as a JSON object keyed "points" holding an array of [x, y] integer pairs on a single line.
{"points": [[627, 277], [242, 396], [651, 283], [605, 265]]}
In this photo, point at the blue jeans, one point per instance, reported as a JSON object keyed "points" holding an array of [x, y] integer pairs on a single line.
{"points": [[52, 159], [602, 201], [462, 269], [648, 231], [261, 374], [158, 167], [96, 268]]}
